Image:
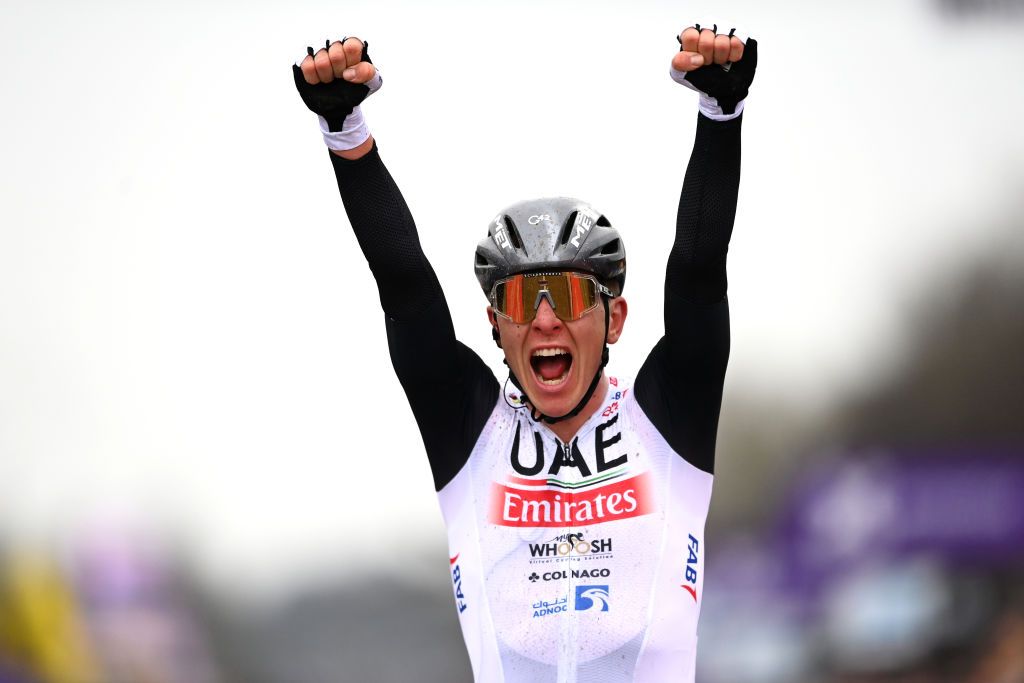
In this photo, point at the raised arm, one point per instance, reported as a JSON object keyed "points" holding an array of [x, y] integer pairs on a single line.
{"points": [[680, 384], [450, 389]]}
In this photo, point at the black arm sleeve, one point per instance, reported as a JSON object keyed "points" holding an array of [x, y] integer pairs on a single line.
{"points": [[679, 386], [451, 391]]}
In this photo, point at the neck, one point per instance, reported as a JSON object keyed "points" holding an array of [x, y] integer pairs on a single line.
{"points": [[566, 429]]}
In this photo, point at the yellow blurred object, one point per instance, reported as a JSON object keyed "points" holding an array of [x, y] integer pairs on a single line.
{"points": [[40, 620]]}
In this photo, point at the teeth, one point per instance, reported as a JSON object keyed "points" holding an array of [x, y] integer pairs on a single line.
{"points": [[556, 351]]}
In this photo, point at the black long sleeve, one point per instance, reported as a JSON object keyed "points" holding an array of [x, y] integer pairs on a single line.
{"points": [[680, 384], [450, 389]]}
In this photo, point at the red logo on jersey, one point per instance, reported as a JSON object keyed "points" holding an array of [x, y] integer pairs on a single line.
{"points": [[460, 597], [552, 508], [692, 562]]}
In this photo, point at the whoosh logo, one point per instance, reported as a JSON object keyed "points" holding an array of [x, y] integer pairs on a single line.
{"points": [[522, 507], [574, 545]]}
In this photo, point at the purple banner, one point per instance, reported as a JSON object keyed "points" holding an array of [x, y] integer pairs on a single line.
{"points": [[964, 508]]}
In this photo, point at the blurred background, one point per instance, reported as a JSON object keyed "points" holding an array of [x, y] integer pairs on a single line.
{"points": [[209, 474]]}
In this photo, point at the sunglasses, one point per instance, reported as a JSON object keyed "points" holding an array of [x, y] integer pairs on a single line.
{"points": [[570, 295]]}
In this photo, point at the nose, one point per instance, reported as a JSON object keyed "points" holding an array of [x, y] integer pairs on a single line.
{"points": [[546, 320]]}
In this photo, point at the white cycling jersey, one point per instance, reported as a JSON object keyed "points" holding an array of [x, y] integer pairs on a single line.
{"points": [[581, 561]]}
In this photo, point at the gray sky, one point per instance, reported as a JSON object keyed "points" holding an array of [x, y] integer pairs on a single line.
{"points": [[189, 335]]}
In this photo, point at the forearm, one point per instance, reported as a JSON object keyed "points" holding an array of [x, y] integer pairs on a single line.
{"points": [[680, 385], [707, 208], [387, 235]]}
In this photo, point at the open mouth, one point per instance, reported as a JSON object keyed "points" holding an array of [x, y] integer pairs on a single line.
{"points": [[551, 366]]}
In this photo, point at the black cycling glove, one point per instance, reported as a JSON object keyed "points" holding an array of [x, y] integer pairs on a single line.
{"points": [[334, 101], [728, 84]]}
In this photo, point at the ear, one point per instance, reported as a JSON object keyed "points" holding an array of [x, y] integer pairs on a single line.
{"points": [[617, 310], [493, 319]]}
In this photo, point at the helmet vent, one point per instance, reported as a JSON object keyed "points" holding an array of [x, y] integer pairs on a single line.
{"points": [[567, 228], [513, 233], [610, 248], [481, 260], [604, 222]]}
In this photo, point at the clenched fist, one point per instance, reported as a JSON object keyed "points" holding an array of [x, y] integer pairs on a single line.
{"points": [[718, 65], [334, 80]]}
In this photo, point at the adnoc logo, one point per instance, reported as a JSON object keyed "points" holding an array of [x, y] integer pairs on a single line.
{"points": [[543, 608], [591, 598]]}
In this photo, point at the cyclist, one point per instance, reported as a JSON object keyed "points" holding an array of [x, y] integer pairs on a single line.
{"points": [[574, 500]]}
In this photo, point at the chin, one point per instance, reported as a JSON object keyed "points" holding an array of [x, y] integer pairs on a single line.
{"points": [[555, 408]]}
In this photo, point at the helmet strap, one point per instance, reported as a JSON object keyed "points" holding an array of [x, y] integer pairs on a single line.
{"points": [[539, 416]]}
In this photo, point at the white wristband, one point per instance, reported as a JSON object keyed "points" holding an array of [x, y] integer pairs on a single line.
{"points": [[353, 130], [708, 105], [352, 134]]}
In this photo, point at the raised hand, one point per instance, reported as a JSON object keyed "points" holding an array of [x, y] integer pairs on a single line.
{"points": [[720, 66], [334, 80]]}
